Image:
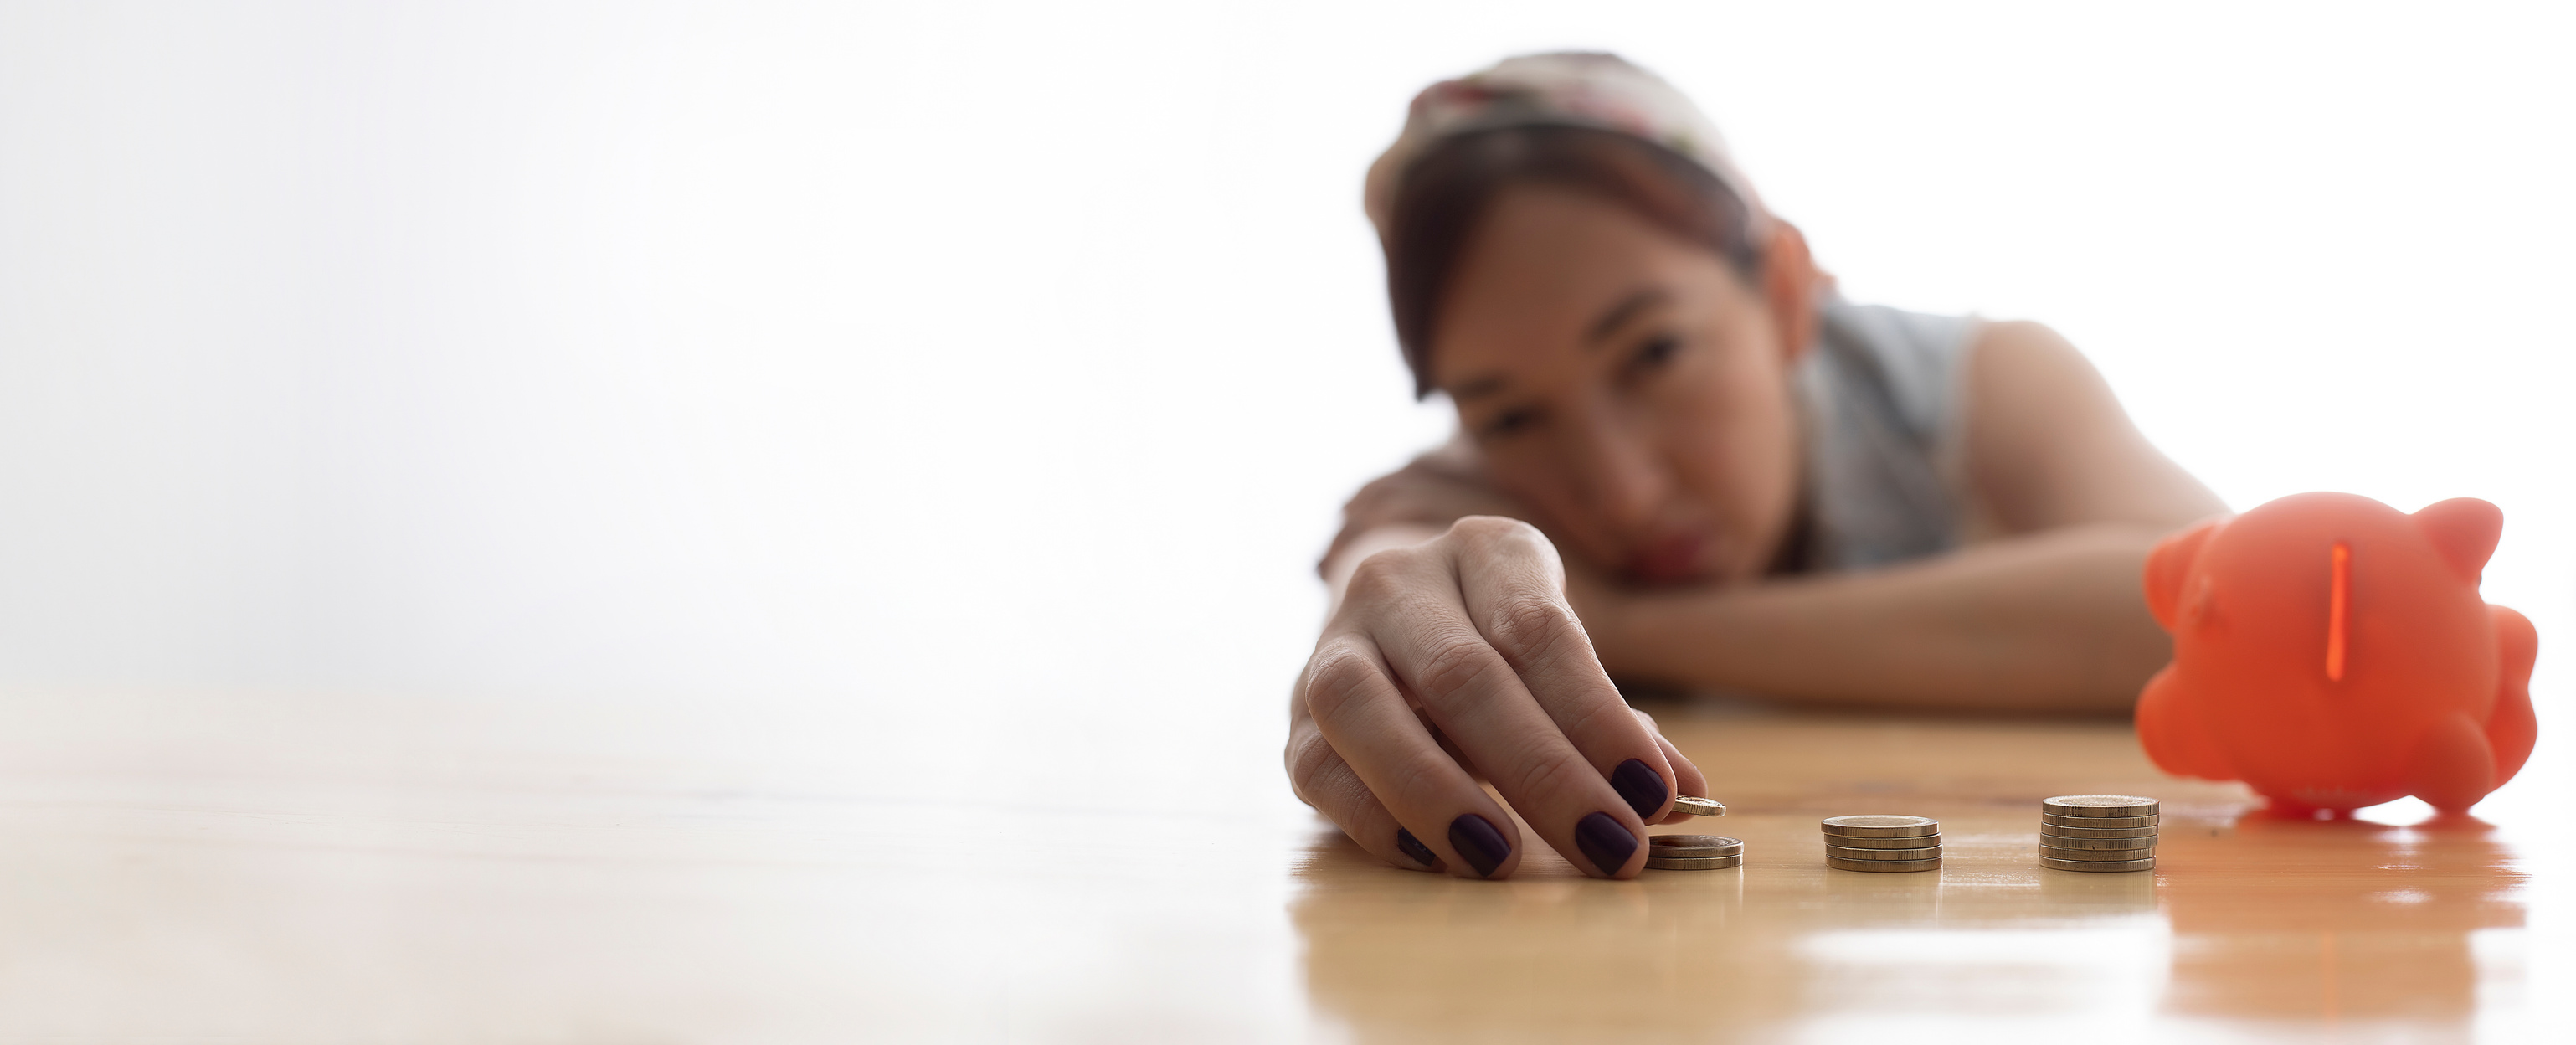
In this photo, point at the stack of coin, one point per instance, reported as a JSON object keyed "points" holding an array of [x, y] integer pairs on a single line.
{"points": [[1882, 843], [2098, 833], [1693, 852]]}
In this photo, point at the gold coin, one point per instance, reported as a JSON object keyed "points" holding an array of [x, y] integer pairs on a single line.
{"points": [[1693, 845], [2148, 864], [1693, 863], [1858, 842], [1835, 852], [1692, 841], [1881, 825], [2097, 821], [2055, 841], [2063, 831], [1883, 866], [2099, 805], [1696, 806], [2054, 853]]}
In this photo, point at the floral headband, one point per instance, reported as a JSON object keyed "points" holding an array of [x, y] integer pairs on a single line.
{"points": [[1567, 88]]}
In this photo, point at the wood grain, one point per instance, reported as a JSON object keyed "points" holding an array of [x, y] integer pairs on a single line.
{"points": [[334, 868], [2264, 923]]}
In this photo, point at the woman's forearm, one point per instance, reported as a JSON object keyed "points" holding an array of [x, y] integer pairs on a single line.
{"points": [[2045, 621]]}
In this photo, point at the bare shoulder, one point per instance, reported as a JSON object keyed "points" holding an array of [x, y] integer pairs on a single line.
{"points": [[2048, 444], [2021, 367]]}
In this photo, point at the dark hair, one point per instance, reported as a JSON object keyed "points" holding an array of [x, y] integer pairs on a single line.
{"points": [[1445, 193]]}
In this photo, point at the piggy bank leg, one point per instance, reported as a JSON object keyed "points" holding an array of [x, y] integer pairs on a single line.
{"points": [[2174, 737], [2511, 727], [2454, 765]]}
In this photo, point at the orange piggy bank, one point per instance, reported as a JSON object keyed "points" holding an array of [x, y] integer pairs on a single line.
{"points": [[2333, 653]]}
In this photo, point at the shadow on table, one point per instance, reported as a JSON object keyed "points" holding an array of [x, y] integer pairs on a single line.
{"points": [[1407, 956]]}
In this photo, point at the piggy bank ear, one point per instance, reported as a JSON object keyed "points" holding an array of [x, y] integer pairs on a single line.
{"points": [[2464, 530], [2170, 565]]}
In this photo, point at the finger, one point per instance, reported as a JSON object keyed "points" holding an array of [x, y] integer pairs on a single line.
{"points": [[1686, 773], [1360, 712], [1687, 778], [1512, 585], [1327, 783], [1471, 693], [1449, 747]]}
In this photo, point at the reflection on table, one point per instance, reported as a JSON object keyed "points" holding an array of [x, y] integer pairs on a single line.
{"points": [[2337, 921], [2250, 923]]}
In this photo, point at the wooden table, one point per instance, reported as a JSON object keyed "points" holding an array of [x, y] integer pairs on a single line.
{"points": [[258, 868], [2248, 924]]}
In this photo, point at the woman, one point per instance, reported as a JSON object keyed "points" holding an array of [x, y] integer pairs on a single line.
{"points": [[1683, 459]]}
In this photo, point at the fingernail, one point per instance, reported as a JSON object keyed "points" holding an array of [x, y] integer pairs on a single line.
{"points": [[1641, 786], [1483, 847], [1604, 842], [1414, 848]]}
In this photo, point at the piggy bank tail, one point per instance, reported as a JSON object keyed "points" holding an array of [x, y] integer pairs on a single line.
{"points": [[2171, 731], [2511, 729]]}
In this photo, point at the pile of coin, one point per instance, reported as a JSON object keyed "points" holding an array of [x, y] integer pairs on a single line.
{"points": [[1693, 852], [1882, 843], [2098, 833]]}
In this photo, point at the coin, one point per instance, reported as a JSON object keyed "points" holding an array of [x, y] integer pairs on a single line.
{"points": [[1693, 845], [2108, 844], [1884, 866], [2097, 821], [1696, 806], [2063, 831], [2054, 853], [1835, 852], [1882, 826], [1857, 842], [2098, 865], [1692, 863], [2099, 805]]}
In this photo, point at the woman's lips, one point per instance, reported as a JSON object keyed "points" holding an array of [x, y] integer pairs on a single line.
{"points": [[1668, 560]]}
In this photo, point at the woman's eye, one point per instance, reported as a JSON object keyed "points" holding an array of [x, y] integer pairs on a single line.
{"points": [[1657, 351], [1510, 422]]}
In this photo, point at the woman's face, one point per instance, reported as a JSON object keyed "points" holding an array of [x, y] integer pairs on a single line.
{"points": [[1625, 384]]}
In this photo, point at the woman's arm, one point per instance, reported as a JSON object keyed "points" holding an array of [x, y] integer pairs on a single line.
{"points": [[2047, 621], [2046, 615]]}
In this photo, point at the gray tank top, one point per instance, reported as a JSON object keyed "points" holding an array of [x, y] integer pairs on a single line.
{"points": [[1881, 392]]}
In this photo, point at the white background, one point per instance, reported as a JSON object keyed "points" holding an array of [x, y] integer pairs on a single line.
{"points": [[967, 391]]}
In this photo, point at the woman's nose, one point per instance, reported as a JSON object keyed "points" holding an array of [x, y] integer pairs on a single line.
{"points": [[1622, 478]]}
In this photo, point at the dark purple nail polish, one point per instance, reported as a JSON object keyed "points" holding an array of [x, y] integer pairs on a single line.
{"points": [[1479, 844], [1414, 848], [1641, 786], [1604, 842]]}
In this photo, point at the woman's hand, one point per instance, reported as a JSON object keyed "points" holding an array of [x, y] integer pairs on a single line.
{"points": [[1603, 605], [1456, 659]]}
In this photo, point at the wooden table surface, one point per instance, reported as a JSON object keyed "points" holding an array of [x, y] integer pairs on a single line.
{"points": [[262, 869]]}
